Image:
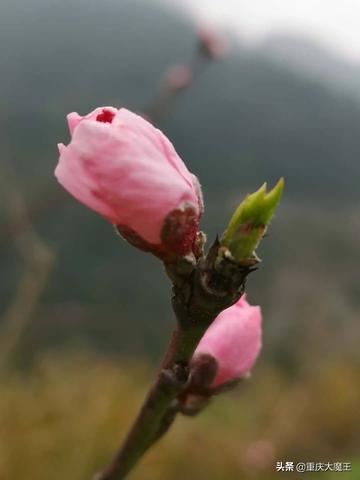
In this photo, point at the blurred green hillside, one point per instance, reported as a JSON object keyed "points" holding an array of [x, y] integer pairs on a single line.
{"points": [[248, 119]]}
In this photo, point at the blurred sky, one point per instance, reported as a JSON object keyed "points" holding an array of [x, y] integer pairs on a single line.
{"points": [[334, 22]]}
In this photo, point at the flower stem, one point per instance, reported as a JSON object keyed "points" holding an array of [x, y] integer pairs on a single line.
{"points": [[199, 295], [152, 420]]}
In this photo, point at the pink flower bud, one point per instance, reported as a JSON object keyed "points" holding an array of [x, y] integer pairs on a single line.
{"points": [[178, 77], [211, 43], [234, 340], [125, 169]]}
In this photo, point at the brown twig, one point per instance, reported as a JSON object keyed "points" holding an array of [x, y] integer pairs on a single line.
{"points": [[167, 95], [199, 294]]}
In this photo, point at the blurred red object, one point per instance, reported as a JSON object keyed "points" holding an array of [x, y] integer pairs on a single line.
{"points": [[211, 44], [178, 77]]}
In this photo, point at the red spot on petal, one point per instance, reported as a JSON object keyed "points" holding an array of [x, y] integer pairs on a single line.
{"points": [[106, 116], [97, 194]]}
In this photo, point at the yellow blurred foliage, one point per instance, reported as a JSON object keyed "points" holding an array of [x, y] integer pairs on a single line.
{"points": [[65, 417]]}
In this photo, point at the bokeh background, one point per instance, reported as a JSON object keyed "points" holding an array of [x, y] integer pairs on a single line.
{"points": [[85, 317]]}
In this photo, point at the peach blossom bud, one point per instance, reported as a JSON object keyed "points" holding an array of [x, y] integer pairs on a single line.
{"points": [[178, 77], [234, 340], [125, 169], [211, 43]]}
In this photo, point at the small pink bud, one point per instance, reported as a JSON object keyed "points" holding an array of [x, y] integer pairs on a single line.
{"points": [[125, 169], [178, 77], [234, 340], [211, 43]]}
